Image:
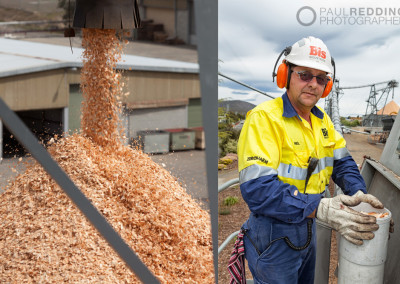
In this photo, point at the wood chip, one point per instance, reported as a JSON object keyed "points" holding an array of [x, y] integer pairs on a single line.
{"points": [[376, 214], [44, 238]]}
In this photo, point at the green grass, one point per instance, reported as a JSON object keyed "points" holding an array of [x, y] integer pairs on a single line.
{"points": [[231, 200], [224, 211]]}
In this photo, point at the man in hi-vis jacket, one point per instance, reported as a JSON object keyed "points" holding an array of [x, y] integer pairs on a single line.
{"points": [[288, 150]]}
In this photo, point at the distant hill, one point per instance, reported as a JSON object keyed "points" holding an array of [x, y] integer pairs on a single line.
{"points": [[238, 106]]}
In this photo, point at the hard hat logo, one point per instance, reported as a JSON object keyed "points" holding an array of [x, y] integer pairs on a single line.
{"points": [[314, 50], [310, 52]]}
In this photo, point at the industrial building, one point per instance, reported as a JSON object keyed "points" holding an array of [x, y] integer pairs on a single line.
{"points": [[40, 82], [170, 19]]}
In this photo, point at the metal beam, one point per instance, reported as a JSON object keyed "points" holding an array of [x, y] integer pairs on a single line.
{"points": [[206, 30], [364, 86], [1, 141]]}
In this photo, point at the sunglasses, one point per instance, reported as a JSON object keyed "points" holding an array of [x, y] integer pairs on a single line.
{"points": [[307, 76]]}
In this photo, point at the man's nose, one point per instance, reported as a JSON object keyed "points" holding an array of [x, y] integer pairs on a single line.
{"points": [[313, 82]]}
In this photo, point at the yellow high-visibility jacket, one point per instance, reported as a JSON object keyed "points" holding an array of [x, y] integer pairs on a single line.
{"points": [[274, 148]]}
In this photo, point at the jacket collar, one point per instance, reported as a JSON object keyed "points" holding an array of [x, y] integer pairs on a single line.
{"points": [[289, 111]]}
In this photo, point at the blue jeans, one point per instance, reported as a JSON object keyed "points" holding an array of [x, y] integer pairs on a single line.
{"points": [[274, 262]]}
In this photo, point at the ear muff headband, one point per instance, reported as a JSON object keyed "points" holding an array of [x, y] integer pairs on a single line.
{"points": [[286, 51], [283, 70]]}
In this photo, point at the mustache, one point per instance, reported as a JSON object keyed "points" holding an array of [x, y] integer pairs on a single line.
{"points": [[308, 92]]}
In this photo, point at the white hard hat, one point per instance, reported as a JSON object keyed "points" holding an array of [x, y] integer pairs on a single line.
{"points": [[311, 52]]}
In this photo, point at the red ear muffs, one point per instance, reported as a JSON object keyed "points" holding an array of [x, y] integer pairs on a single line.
{"points": [[281, 75], [328, 88]]}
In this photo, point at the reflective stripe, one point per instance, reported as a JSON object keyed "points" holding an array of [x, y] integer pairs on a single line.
{"points": [[323, 164], [340, 153], [284, 170], [327, 193], [300, 173], [290, 171], [255, 171]]}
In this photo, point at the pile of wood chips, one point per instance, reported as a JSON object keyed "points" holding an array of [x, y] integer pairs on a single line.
{"points": [[44, 238]]}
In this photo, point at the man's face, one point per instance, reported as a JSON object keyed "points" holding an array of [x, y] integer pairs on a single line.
{"points": [[304, 95]]}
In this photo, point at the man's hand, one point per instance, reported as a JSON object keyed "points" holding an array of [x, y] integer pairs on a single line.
{"points": [[369, 198], [352, 225]]}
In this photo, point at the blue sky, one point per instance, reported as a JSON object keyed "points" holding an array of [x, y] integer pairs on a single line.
{"points": [[363, 37]]}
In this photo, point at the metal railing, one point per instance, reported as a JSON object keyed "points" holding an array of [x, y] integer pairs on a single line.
{"points": [[228, 184], [227, 241], [221, 188]]}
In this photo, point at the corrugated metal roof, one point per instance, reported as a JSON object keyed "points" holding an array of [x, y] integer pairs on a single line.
{"points": [[21, 57]]}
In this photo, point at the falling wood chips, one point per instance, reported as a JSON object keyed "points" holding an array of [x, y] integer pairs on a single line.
{"points": [[44, 238]]}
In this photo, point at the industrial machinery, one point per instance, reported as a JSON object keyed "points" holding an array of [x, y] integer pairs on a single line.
{"points": [[377, 125], [383, 180], [381, 177], [107, 14]]}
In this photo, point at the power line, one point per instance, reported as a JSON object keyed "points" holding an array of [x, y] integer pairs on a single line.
{"points": [[245, 85]]}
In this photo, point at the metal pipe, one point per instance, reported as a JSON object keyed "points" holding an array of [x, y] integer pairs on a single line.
{"points": [[15, 23], [65, 121], [1, 141], [228, 184], [335, 110], [227, 241], [176, 19], [364, 86], [245, 85], [352, 130], [365, 263]]}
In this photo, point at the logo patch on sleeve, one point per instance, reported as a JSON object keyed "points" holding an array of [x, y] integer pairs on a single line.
{"points": [[325, 133], [253, 158]]}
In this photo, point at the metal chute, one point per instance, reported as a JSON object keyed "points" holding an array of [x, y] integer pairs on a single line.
{"points": [[106, 14]]}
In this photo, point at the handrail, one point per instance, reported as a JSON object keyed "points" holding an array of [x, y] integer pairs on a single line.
{"points": [[234, 234], [231, 236], [228, 184], [227, 240]]}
